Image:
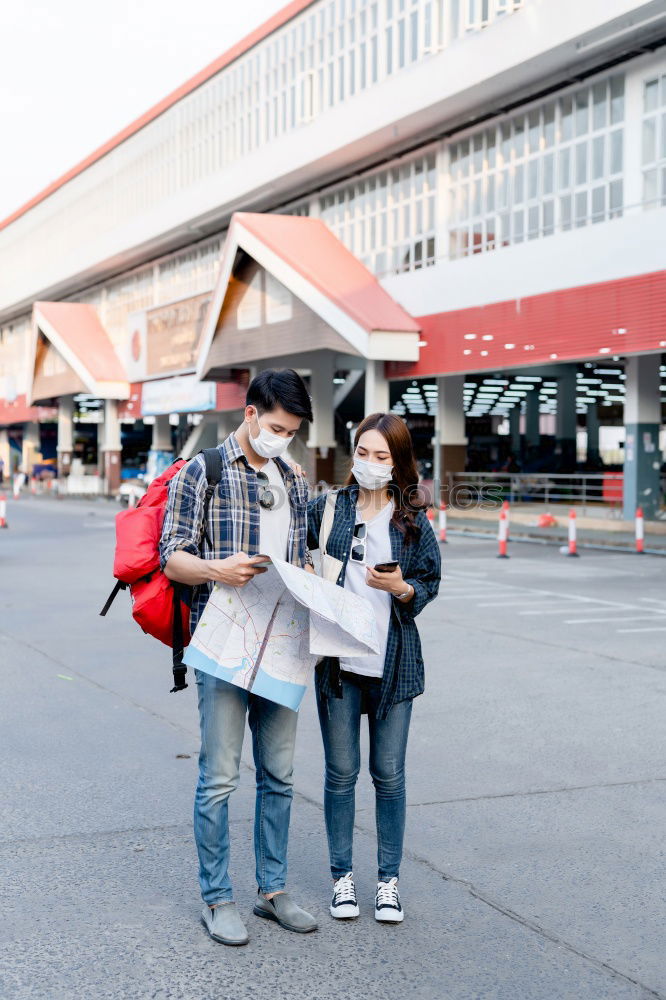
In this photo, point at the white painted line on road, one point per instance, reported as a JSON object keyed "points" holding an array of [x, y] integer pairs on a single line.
{"points": [[568, 608], [653, 600], [656, 629], [590, 621], [512, 604]]}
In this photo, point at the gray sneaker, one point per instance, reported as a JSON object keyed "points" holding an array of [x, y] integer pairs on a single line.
{"points": [[224, 924], [284, 911]]}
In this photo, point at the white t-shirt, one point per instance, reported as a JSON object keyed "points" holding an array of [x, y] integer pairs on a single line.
{"points": [[377, 549], [274, 523]]}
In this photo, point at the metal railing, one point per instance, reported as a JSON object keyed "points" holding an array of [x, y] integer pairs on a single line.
{"points": [[487, 489]]}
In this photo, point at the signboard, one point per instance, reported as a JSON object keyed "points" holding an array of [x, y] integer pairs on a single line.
{"points": [[165, 340], [181, 394]]}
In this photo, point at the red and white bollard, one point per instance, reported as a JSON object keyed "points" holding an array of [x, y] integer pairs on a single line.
{"points": [[572, 533], [442, 523], [3, 511], [507, 511], [430, 514], [33, 485], [502, 536], [640, 534]]}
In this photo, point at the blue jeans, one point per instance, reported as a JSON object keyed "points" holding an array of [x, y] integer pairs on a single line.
{"points": [[222, 711], [340, 720]]}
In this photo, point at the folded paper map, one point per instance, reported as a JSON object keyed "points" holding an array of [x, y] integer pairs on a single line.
{"points": [[266, 636]]}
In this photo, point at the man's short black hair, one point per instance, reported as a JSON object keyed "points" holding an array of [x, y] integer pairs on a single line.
{"points": [[280, 387]]}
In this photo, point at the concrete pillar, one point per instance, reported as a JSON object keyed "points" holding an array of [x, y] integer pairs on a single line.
{"points": [[226, 423], [514, 430], [592, 420], [321, 435], [642, 419], [161, 454], [111, 446], [376, 388], [565, 426], [31, 446], [5, 457], [532, 437], [65, 447], [450, 452]]}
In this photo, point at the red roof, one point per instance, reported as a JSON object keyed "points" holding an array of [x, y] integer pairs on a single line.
{"points": [[79, 327], [237, 50], [310, 248]]}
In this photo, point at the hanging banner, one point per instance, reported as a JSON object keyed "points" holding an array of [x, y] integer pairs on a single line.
{"points": [[181, 394]]}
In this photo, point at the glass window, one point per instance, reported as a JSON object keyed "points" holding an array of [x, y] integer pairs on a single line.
{"points": [[617, 99], [599, 113], [649, 140]]}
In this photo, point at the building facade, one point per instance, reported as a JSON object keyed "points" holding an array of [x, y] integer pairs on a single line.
{"points": [[497, 168]]}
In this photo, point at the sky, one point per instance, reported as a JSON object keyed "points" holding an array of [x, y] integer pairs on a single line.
{"points": [[75, 72]]}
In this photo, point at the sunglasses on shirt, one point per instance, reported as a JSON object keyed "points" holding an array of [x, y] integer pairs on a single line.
{"points": [[266, 496], [357, 553]]}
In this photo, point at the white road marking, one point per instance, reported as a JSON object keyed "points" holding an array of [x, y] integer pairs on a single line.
{"points": [[512, 603], [590, 621], [656, 629]]}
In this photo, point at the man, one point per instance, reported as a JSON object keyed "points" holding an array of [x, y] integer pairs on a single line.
{"points": [[258, 507]]}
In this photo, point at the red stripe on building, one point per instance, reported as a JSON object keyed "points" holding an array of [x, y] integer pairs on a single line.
{"points": [[573, 324]]}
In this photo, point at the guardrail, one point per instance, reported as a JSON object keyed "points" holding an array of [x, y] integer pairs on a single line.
{"points": [[468, 489]]}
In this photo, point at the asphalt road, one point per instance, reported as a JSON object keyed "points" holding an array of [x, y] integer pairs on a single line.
{"points": [[535, 864]]}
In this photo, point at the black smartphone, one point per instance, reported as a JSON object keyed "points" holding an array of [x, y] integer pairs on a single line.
{"points": [[386, 567]]}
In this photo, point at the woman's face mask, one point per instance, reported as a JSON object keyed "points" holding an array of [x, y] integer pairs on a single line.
{"points": [[266, 444], [371, 475]]}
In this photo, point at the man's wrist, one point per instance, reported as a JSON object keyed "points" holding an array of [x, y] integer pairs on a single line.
{"points": [[405, 592]]}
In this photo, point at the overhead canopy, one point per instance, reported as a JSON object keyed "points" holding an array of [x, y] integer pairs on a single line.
{"points": [[70, 352], [287, 285]]}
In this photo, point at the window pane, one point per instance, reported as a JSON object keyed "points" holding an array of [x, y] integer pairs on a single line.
{"points": [[548, 218], [598, 157], [534, 131], [533, 179], [490, 194], [565, 212], [565, 168], [615, 200], [616, 151], [566, 119], [548, 173], [518, 226], [581, 113], [581, 208], [599, 105], [581, 163], [549, 124], [533, 222], [650, 188], [519, 138], [477, 157], [519, 184], [598, 204], [491, 149], [649, 140], [662, 153], [617, 99], [651, 96]]}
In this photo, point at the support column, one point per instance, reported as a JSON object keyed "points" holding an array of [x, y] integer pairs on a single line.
{"points": [[592, 421], [111, 446], [376, 388], [322, 429], [532, 437], [450, 451], [226, 423], [31, 446], [5, 457], [642, 419], [65, 447], [514, 431], [565, 426], [160, 455]]}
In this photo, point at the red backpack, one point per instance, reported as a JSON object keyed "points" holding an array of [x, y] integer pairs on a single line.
{"points": [[159, 605]]}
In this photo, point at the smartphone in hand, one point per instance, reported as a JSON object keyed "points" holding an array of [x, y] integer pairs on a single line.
{"points": [[385, 567]]}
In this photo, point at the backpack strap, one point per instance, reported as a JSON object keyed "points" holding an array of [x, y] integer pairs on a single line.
{"points": [[213, 461]]}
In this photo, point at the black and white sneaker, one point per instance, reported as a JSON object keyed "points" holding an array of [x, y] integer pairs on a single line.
{"points": [[387, 903], [343, 904]]}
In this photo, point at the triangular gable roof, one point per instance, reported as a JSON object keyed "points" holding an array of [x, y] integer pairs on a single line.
{"points": [[76, 333], [305, 256]]}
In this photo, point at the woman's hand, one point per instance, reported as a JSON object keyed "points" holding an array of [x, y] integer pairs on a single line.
{"points": [[391, 582]]}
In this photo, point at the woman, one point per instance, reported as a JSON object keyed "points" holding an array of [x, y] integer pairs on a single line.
{"points": [[378, 519]]}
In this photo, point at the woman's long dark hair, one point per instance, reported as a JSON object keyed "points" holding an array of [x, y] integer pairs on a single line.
{"points": [[403, 488]]}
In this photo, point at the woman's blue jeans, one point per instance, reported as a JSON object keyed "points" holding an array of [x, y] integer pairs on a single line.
{"points": [[223, 709], [340, 720]]}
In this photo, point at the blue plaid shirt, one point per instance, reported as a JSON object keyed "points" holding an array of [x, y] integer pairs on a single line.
{"points": [[420, 563], [233, 514]]}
